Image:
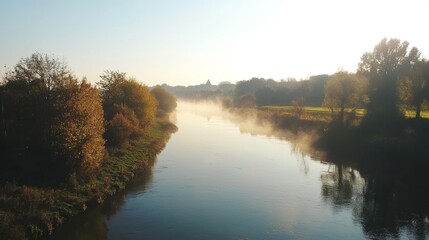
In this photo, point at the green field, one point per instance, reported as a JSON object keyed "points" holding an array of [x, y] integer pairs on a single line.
{"points": [[324, 110]]}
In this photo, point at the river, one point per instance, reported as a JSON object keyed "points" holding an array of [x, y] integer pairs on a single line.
{"points": [[217, 179]]}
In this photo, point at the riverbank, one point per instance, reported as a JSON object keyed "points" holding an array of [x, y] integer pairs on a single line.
{"points": [[284, 119], [28, 212], [351, 141]]}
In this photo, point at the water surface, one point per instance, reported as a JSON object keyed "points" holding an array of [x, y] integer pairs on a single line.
{"points": [[214, 180]]}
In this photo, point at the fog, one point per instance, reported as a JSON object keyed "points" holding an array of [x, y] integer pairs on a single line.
{"points": [[249, 122]]}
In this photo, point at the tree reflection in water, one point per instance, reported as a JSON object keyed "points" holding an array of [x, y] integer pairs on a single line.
{"points": [[384, 204], [388, 202]]}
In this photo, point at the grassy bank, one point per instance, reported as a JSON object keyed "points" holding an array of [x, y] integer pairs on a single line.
{"points": [[28, 212], [350, 141], [285, 119], [325, 112], [353, 142]]}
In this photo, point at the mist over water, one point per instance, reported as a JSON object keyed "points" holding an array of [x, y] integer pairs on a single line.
{"points": [[224, 176], [249, 123]]}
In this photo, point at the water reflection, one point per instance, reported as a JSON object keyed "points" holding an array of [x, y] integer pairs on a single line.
{"points": [[92, 224], [383, 202], [341, 186], [393, 205], [387, 202]]}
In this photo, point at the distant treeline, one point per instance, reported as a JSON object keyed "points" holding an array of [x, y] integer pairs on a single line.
{"points": [[56, 128], [204, 91], [391, 78], [257, 91], [262, 92]]}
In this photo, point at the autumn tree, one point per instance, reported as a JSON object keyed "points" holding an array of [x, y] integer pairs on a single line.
{"points": [[123, 100], [383, 67], [48, 114], [343, 91], [124, 126], [79, 128], [116, 89], [166, 101]]}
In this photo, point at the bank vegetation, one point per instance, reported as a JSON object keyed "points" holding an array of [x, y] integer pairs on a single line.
{"points": [[66, 144]]}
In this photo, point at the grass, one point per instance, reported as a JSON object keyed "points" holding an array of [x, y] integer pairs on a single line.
{"points": [[28, 212], [360, 112]]}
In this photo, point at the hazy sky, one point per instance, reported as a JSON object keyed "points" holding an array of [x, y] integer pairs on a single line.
{"points": [[188, 41]]}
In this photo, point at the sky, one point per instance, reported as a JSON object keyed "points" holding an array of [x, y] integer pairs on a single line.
{"points": [[186, 42]]}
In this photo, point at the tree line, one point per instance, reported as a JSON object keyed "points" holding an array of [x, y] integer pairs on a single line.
{"points": [[56, 127], [392, 76], [262, 92]]}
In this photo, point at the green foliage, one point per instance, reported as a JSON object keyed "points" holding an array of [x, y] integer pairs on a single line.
{"points": [[413, 88], [360, 112], [344, 91], [383, 66], [166, 101], [270, 92]]}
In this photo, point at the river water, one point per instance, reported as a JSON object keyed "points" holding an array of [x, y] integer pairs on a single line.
{"points": [[217, 179]]}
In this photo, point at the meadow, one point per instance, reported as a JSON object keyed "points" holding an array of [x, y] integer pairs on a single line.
{"points": [[320, 111]]}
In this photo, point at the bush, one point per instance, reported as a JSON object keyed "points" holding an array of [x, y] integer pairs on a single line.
{"points": [[166, 101]]}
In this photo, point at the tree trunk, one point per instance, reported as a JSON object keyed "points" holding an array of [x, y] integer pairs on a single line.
{"points": [[2, 118], [418, 110], [342, 108]]}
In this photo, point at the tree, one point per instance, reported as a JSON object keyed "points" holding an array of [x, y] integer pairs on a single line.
{"points": [[298, 107], [414, 87], [119, 131], [79, 128], [128, 106], [3, 132], [123, 127], [166, 101], [382, 67], [31, 90], [249, 87], [266, 96], [54, 122], [117, 89], [344, 90], [246, 101]]}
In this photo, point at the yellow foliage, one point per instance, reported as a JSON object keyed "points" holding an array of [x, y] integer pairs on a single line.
{"points": [[80, 127], [117, 89]]}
